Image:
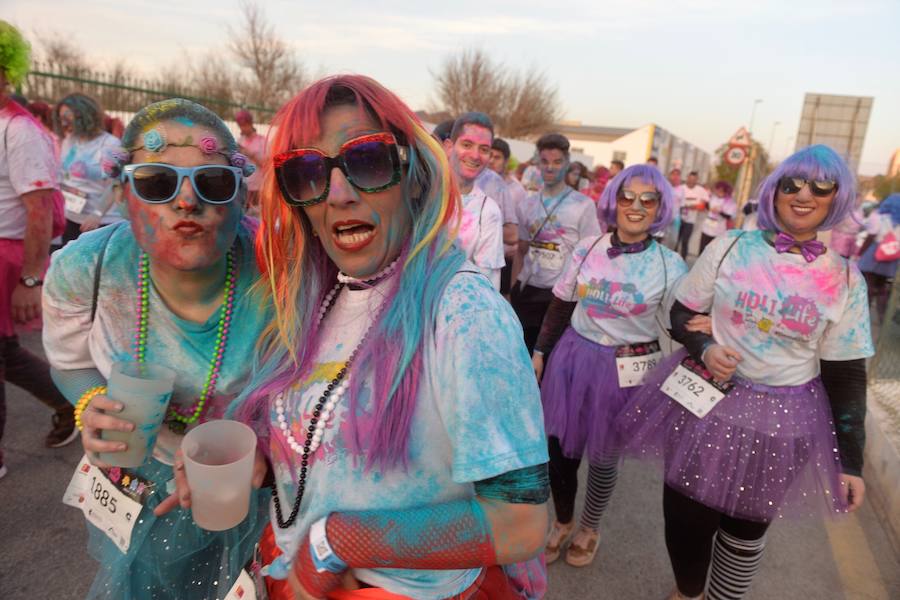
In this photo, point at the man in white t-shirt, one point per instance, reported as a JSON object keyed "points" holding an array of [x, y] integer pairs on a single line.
{"points": [[481, 224], [515, 193], [28, 184], [551, 222], [694, 199], [671, 236]]}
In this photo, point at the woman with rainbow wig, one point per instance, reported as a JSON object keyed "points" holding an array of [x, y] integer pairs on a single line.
{"points": [[769, 419], [405, 428], [169, 286], [604, 317]]}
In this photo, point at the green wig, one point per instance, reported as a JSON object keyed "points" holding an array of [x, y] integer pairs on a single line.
{"points": [[15, 54]]}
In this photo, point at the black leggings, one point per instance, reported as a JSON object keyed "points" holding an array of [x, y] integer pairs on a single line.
{"points": [[705, 240], [530, 304], [690, 527], [684, 238], [29, 372]]}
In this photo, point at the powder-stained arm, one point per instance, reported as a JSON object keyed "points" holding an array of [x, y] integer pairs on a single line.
{"points": [[507, 525]]}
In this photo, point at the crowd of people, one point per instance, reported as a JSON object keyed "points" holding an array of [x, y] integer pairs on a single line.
{"points": [[427, 345]]}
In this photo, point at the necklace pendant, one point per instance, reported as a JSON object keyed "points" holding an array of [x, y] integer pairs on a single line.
{"points": [[177, 427]]}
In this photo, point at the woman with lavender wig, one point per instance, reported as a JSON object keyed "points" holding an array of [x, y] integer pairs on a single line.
{"points": [[790, 326], [404, 422], [604, 316]]}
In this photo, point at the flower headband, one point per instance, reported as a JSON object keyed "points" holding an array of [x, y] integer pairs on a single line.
{"points": [[155, 141]]}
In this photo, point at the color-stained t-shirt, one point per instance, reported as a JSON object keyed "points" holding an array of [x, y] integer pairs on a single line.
{"points": [[781, 313], [82, 179], [619, 298], [553, 226], [693, 200], [72, 341], [481, 234], [27, 163], [720, 210], [478, 415]]}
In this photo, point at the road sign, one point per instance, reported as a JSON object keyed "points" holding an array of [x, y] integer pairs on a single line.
{"points": [[735, 155], [740, 138]]}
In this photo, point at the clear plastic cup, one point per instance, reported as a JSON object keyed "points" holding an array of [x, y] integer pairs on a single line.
{"points": [[218, 462], [145, 391]]}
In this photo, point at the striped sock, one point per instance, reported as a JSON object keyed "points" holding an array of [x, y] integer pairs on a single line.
{"points": [[734, 564], [600, 486]]}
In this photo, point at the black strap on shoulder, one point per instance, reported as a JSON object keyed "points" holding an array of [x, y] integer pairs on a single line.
{"points": [[98, 269], [721, 260]]}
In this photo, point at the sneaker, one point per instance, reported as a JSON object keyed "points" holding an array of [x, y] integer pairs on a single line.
{"points": [[3, 471], [558, 537], [64, 430], [583, 548]]}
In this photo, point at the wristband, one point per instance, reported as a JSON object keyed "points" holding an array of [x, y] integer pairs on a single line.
{"points": [[537, 352], [323, 556], [82, 403]]}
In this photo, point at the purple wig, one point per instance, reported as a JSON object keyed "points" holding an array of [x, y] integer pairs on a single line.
{"points": [[812, 162], [606, 206]]}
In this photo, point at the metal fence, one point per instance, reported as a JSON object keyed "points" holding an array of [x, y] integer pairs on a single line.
{"points": [[117, 92]]}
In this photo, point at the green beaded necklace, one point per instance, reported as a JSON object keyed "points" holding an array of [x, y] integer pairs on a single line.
{"points": [[179, 418]]}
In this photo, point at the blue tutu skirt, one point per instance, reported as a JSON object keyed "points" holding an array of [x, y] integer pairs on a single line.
{"points": [[169, 557]]}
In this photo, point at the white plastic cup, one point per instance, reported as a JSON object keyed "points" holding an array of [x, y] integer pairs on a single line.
{"points": [[218, 462], [145, 391]]}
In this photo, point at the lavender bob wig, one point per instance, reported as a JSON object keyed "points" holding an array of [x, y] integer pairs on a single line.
{"points": [[812, 162], [606, 206]]}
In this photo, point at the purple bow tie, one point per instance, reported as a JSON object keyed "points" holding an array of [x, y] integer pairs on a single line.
{"points": [[614, 251], [810, 249]]}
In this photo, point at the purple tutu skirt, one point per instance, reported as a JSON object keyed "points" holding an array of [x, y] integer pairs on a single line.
{"points": [[762, 452], [582, 398]]}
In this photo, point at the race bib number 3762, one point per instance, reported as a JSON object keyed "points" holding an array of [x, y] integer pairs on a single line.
{"points": [[692, 386]]}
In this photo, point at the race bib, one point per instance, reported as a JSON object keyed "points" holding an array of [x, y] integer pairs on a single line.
{"points": [[634, 362], [75, 199], [546, 256], [103, 505], [243, 589], [692, 386]]}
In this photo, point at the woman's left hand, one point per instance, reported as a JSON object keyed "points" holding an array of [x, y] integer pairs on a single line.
{"points": [[182, 495], [853, 491]]}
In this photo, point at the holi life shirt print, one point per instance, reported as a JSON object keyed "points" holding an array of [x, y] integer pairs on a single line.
{"points": [[478, 415], [619, 298], [780, 312]]}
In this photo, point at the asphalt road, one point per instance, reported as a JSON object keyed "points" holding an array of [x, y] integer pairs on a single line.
{"points": [[42, 541]]}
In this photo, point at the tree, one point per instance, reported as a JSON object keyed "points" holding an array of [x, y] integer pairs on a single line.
{"points": [[519, 104], [272, 72], [728, 172], [57, 50], [884, 186]]}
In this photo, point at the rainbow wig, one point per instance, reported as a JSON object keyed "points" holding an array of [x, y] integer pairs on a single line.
{"points": [[606, 206], [297, 273], [812, 162], [15, 54]]}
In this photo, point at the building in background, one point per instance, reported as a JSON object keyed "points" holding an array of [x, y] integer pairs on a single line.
{"points": [[635, 145], [836, 121], [894, 165]]}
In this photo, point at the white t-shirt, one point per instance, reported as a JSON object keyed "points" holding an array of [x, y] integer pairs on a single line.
{"points": [[720, 210], [781, 313], [495, 187], [552, 226], [478, 415], [516, 192], [27, 163], [619, 298], [481, 234], [82, 178], [694, 200]]}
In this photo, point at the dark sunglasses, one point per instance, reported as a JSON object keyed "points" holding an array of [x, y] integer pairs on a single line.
{"points": [[648, 200], [818, 187], [158, 183], [371, 163]]}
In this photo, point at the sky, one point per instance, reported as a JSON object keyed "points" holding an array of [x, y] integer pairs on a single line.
{"points": [[694, 67]]}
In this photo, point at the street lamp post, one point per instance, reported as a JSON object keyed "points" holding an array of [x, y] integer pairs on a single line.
{"points": [[753, 115], [745, 174], [772, 139]]}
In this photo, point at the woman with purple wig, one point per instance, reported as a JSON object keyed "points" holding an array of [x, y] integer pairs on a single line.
{"points": [[770, 408], [603, 313]]}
